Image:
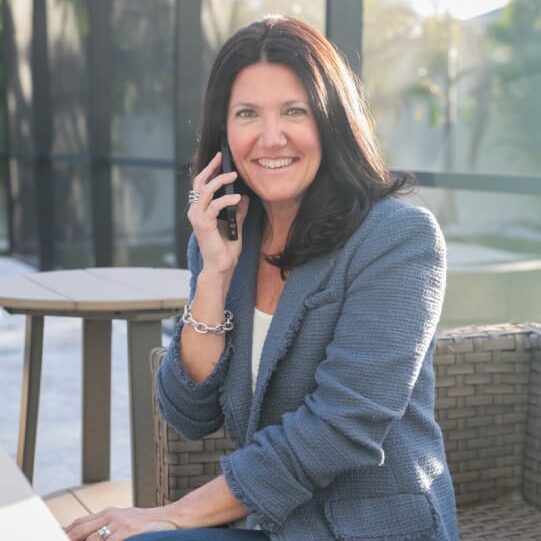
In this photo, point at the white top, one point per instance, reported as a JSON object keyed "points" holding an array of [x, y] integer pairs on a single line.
{"points": [[262, 323]]}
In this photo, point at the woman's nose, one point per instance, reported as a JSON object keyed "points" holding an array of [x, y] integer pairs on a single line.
{"points": [[272, 135]]}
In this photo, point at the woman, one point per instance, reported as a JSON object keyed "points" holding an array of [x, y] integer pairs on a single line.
{"points": [[334, 289]]}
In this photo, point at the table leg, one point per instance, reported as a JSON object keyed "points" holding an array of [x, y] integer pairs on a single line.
{"points": [[96, 400], [28, 421], [142, 337]]}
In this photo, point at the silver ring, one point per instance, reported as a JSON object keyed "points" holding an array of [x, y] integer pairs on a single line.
{"points": [[104, 533], [193, 196]]}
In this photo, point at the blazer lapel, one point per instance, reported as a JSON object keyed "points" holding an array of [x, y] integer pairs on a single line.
{"points": [[237, 393], [302, 282], [242, 407]]}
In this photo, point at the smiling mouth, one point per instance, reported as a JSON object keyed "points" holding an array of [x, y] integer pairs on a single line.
{"points": [[275, 164]]}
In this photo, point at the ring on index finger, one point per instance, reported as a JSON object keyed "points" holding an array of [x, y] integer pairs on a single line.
{"points": [[193, 196]]}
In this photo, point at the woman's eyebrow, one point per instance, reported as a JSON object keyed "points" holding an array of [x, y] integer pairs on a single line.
{"points": [[293, 102], [244, 104], [255, 106]]}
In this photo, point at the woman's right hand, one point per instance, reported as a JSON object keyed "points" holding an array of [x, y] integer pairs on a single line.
{"points": [[218, 252]]}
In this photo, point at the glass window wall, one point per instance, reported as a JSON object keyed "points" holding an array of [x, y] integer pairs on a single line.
{"points": [[73, 216], [143, 78], [4, 229], [67, 30], [221, 18], [143, 216], [454, 90]]}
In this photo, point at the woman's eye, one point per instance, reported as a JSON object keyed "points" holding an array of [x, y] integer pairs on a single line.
{"points": [[245, 113], [296, 111]]}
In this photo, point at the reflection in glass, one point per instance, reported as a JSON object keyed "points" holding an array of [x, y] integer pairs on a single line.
{"points": [[143, 78], [4, 234], [143, 216], [494, 258], [456, 90], [494, 255], [73, 216], [67, 29], [23, 205], [17, 39], [221, 18]]}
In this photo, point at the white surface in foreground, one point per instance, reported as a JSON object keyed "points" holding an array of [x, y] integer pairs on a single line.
{"points": [[16, 525]]}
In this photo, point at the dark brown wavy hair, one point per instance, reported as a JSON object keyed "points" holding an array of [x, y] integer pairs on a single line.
{"points": [[352, 175]]}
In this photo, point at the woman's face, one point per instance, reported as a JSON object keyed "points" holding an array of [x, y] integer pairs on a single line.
{"points": [[272, 133]]}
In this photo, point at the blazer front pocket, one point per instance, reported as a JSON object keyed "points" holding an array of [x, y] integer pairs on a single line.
{"points": [[399, 517]]}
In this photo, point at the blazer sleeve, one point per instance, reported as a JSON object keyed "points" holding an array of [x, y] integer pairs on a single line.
{"points": [[392, 305], [190, 407]]}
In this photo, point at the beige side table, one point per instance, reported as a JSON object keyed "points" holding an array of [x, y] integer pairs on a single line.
{"points": [[141, 296]]}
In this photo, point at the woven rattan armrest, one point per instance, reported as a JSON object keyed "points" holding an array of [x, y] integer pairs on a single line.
{"points": [[181, 464]]}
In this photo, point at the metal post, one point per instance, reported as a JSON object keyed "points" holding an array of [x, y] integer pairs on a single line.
{"points": [[99, 128], [42, 133], [187, 107], [7, 50], [344, 29]]}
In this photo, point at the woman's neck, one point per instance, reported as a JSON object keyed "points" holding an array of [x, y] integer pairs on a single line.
{"points": [[277, 225]]}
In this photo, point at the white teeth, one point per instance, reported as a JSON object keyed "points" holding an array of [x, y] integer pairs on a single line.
{"points": [[275, 164]]}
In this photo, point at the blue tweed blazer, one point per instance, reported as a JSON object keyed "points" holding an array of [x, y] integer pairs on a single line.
{"points": [[339, 440]]}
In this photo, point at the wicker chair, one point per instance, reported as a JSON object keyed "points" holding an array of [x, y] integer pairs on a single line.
{"points": [[488, 403]]}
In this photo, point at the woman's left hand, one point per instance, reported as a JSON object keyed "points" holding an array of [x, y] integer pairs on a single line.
{"points": [[121, 523]]}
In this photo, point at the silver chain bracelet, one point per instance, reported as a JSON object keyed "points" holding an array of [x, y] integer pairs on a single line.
{"points": [[202, 328]]}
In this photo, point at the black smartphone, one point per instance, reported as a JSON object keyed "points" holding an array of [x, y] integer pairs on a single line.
{"points": [[228, 214]]}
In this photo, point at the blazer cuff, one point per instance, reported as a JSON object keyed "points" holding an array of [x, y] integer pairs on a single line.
{"points": [[190, 406], [248, 479], [177, 379]]}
